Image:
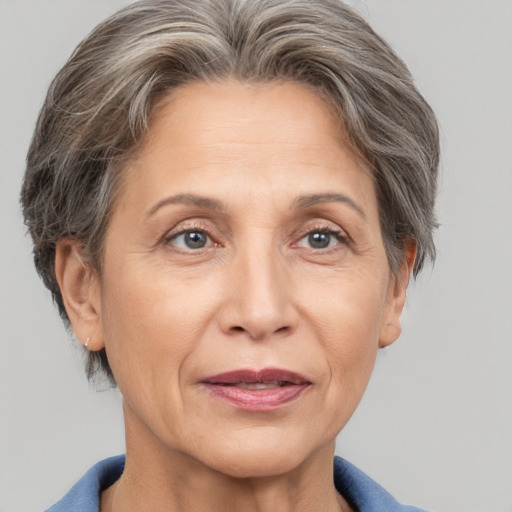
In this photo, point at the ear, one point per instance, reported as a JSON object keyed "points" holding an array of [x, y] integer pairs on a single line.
{"points": [[391, 327], [80, 291]]}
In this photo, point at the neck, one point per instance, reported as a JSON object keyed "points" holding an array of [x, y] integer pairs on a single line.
{"points": [[157, 478]]}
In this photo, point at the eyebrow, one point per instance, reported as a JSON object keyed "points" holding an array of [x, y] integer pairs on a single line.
{"points": [[206, 203], [309, 200]]}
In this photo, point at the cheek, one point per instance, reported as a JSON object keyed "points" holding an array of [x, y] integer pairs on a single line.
{"points": [[151, 320], [347, 305], [347, 317], [351, 349]]}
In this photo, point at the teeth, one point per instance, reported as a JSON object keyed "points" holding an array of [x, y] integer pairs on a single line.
{"points": [[260, 385]]}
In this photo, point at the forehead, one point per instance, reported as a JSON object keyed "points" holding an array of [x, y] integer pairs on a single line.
{"points": [[232, 104], [280, 136]]}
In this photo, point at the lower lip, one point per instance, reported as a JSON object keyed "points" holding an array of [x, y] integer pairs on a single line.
{"points": [[257, 399]]}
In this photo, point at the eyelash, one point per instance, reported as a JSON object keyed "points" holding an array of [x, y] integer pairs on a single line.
{"points": [[195, 227], [338, 234]]}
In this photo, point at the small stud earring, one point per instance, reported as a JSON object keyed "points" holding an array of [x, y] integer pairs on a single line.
{"points": [[87, 342]]}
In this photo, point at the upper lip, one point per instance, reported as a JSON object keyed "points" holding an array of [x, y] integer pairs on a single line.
{"points": [[256, 376]]}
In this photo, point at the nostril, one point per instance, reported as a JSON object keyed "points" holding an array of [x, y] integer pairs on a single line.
{"points": [[238, 328]]}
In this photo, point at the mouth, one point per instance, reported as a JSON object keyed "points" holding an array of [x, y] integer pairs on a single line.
{"points": [[263, 390]]}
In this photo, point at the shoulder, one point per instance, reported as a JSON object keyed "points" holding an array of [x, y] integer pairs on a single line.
{"points": [[362, 492], [84, 496]]}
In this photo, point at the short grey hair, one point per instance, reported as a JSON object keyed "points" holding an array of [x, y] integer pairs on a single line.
{"points": [[98, 108]]}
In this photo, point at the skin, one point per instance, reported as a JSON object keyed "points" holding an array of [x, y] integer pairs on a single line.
{"points": [[258, 294]]}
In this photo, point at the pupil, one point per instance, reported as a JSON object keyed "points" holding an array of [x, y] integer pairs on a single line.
{"points": [[319, 240], [195, 239]]}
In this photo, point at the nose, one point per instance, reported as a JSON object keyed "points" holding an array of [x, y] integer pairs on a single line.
{"points": [[259, 297]]}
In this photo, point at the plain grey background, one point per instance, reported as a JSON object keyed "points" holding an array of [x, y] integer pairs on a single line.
{"points": [[435, 427]]}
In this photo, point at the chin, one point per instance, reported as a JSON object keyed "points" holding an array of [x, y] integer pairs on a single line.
{"points": [[257, 465], [262, 458]]}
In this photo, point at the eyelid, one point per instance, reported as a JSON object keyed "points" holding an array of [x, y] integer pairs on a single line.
{"points": [[188, 226], [322, 226], [340, 234]]}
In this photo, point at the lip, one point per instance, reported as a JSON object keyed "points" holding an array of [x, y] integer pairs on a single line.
{"points": [[278, 388]]}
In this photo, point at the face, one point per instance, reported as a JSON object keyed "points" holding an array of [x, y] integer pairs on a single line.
{"points": [[245, 288]]}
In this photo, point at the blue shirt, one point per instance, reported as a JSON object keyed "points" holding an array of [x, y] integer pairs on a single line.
{"points": [[361, 492]]}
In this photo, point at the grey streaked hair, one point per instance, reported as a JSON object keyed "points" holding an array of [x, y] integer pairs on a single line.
{"points": [[98, 108]]}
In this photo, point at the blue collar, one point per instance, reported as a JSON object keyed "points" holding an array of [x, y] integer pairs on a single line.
{"points": [[361, 492]]}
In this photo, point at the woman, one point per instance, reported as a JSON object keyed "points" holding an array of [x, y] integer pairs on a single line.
{"points": [[227, 200]]}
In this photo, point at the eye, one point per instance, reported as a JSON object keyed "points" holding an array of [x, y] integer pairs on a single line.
{"points": [[190, 239], [319, 239]]}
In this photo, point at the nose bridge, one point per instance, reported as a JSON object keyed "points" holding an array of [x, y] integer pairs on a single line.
{"points": [[259, 304]]}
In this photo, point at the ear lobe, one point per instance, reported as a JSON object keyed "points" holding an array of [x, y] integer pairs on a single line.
{"points": [[80, 291], [391, 327]]}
